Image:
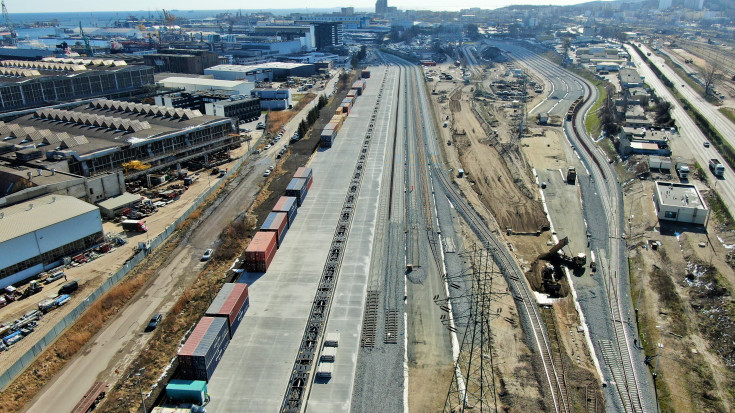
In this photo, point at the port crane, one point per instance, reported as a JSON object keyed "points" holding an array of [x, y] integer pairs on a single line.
{"points": [[9, 23], [87, 46]]}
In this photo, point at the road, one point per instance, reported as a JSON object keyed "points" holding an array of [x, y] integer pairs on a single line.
{"points": [[115, 347], [607, 308], [689, 135], [719, 121]]}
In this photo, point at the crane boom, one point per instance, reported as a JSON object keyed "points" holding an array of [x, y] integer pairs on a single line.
{"points": [[87, 47], [9, 22]]}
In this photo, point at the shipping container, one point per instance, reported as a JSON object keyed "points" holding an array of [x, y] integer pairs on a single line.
{"points": [[346, 108], [303, 172], [187, 391], [359, 86], [203, 350], [297, 187], [231, 302], [260, 251], [365, 74], [327, 138], [337, 119], [348, 99], [278, 222], [339, 111], [288, 205], [352, 93]]}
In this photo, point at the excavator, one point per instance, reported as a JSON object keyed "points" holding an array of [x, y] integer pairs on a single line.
{"points": [[556, 254]]}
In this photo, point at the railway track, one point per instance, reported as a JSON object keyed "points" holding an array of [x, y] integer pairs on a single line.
{"points": [[510, 269], [296, 395]]}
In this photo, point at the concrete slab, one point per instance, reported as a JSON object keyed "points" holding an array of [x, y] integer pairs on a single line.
{"points": [[335, 395], [254, 372]]}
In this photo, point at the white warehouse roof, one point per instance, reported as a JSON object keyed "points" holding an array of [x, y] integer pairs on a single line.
{"points": [[213, 83], [30, 216]]}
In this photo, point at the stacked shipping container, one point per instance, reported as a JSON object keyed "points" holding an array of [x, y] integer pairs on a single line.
{"points": [[260, 251], [288, 205], [231, 303], [278, 223], [204, 348], [298, 188]]}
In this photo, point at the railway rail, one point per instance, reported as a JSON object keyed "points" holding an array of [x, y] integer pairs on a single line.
{"points": [[510, 269], [297, 389]]}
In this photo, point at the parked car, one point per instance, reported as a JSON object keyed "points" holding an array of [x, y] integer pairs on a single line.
{"points": [[69, 287], [207, 254], [267, 173], [267, 147], [706, 144], [155, 321]]}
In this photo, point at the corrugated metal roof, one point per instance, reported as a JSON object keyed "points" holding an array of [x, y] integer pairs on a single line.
{"points": [[119, 201], [26, 217]]}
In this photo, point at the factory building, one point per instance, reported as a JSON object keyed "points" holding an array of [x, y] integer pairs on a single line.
{"points": [[680, 203], [26, 84], [19, 183], [273, 99], [105, 136], [272, 71], [37, 235], [181, 60], [247, 109], [193, 84]]}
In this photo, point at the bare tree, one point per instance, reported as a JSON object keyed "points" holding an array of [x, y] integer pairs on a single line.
{"points": [[710, 75]]}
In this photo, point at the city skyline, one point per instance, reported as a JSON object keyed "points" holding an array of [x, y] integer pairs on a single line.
{"points": [[140, 5]]}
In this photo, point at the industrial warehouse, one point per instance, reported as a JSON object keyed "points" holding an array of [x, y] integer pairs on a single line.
{"points": [[25, 84], [106, 135], [44, 231]]}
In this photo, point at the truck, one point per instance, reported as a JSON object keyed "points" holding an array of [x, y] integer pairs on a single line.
{"points": [[717, 168], [682, 169], [571, 175], [134, 225]]}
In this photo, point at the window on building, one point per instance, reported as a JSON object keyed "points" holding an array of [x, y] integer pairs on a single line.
{"points": [[670, 214]]}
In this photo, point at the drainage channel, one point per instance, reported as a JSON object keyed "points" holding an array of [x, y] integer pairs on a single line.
{"points": [[297, 390]]}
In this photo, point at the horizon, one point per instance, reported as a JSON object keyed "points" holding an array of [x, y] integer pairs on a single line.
{"points": [[138, 6]]}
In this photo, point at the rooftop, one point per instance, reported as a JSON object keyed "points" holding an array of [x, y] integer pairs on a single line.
{"points": [[679, 195], [101, 124], [26, 217], [249, 68], [17, 71], [222, 84]]}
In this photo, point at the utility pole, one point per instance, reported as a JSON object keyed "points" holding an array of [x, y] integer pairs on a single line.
{"points": [[140, 389]]}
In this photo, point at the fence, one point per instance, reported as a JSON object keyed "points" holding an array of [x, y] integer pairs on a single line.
{"points": [[27, 358]]}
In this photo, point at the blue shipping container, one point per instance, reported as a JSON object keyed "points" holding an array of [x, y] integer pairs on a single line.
{"points": [[297, 188], [327, 138], [204, 348], [12, 338]]}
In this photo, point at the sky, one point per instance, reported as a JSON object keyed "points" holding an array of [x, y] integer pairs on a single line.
{"points": [[41, 6]]}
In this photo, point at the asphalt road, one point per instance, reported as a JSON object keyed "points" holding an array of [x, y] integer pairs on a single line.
{"points": [[689, 134]]}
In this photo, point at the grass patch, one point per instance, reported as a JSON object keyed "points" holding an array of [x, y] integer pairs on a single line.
{"points": [[729, 113], [664, 286], [607, 147], [719, 209], [277, 119], [592, 122]]}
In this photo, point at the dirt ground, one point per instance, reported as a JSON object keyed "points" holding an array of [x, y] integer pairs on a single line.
{"points": [[505, 193], [683, 290]]}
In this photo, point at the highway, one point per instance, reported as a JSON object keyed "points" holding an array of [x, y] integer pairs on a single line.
{"points": [[608, 308], [689, 134]]}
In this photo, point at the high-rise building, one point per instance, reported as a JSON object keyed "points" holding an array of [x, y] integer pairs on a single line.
{"points": [[381, 6], [664, 4]]}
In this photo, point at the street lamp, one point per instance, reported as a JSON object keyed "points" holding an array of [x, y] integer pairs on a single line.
{"points": [[140, 390]]}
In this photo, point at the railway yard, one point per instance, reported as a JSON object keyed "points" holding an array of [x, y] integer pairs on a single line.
{"points": [[448, 251]]}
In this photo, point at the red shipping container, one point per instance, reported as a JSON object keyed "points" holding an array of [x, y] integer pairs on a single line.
{"points": [[260, 251], [308, 184], [231, 302]]}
